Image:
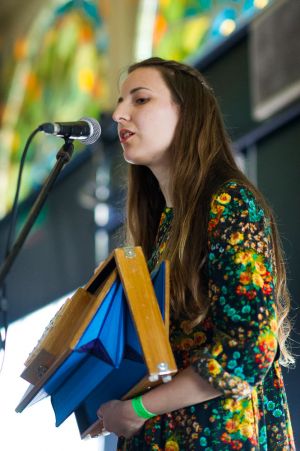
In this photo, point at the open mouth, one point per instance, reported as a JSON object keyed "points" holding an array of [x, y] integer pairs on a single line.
{"points": [[125, 135]]}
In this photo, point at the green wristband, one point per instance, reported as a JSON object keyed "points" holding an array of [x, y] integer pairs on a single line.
{"points": [[140, 409]]}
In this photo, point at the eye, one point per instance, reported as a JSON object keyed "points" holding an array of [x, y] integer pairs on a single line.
{"points": [[141, 100]]}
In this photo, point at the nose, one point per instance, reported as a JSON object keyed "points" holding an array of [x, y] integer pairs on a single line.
{"points": [[121, 113]]}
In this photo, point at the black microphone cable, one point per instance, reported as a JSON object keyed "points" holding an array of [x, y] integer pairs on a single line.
{"points": [[93, 135], [10, 238]]}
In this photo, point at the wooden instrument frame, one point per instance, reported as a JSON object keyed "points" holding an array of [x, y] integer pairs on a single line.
{"points": [[70, 322]]}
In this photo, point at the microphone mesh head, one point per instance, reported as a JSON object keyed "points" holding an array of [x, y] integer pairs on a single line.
{"points": [[95, 129]]}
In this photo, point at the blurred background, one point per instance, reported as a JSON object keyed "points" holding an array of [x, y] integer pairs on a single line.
{"points": [[61, 60]]}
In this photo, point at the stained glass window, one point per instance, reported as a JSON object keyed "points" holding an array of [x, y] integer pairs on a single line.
{"points": [[59, 74], [187, 29], [59, 69]]}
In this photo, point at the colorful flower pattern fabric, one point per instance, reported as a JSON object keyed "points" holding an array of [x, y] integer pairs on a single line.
{"points": [[161, 238], [235, 348]]}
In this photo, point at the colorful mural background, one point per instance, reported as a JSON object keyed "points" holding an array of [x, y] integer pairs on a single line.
{"points": [[59, 70], [58, 73], [188, 29]]}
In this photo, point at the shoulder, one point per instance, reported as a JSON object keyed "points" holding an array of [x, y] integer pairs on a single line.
{"points": [[236, 198], [236, 204], [238, 221]]}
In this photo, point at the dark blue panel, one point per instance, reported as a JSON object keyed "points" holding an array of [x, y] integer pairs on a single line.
{"points": [[116, 385], [78, 386]]}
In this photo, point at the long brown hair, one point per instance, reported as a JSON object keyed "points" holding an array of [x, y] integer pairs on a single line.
{"points": [[202, 161]]}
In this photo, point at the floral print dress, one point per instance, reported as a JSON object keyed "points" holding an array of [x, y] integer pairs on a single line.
{"points": [[235, 348]]}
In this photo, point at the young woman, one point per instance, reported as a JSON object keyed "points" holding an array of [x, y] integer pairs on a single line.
{"points": [[188, 202]]}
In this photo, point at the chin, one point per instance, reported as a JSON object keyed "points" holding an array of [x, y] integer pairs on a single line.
{"points": [[134, 160]]}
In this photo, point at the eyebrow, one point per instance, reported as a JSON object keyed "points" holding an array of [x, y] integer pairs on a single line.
{"points": [[120, 99]]}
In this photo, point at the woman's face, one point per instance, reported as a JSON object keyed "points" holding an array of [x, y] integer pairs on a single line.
{"points": [[147, 118]]}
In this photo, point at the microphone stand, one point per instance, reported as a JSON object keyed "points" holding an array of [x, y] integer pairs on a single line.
{"points": [[63, 156]]}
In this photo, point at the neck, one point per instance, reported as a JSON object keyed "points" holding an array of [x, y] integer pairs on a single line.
{"points": [[164, 186], [163, 177]]}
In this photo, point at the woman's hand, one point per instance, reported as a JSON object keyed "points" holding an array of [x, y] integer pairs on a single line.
{"points": [[185, 389], [119, 417]]}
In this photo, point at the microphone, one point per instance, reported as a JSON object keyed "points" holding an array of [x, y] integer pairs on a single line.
{"points": [[87, 129]]}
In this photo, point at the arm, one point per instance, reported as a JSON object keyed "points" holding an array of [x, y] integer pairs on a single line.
{"points": [[185, 389], [241, 291]]}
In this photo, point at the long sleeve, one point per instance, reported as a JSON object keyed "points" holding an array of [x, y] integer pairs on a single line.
{"points": [[234, 348], [243, 342]]}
